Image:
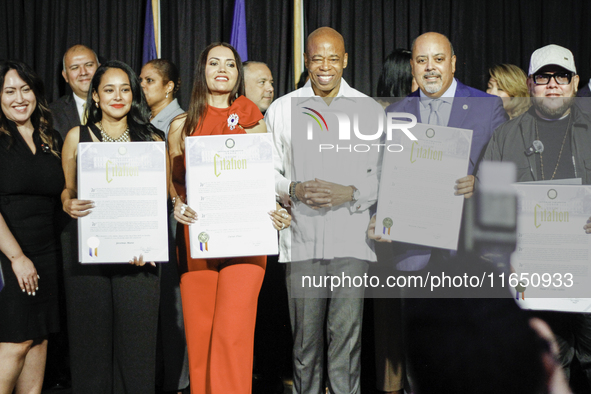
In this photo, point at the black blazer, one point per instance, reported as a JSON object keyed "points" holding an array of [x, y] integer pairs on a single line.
{"points": [[65, 114]]}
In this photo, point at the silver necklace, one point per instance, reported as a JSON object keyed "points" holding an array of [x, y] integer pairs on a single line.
{"points": [[559, 153], [107, 138]]}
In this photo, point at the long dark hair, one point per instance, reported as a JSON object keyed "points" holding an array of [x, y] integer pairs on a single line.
{"points": [[396, 77], [198, 105], [138, 118], [41, 117], [168, 71]]}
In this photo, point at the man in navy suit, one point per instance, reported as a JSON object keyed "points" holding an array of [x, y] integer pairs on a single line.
{"points": [[443, 100], [433, 66], [440, 100], [79, 65]]}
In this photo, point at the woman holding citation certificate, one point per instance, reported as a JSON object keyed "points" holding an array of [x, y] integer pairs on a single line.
{"points": [[30, 183], [219, 295], [112, 308]]}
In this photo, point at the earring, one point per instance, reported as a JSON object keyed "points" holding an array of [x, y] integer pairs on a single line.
{"points": [[96, 103], [167, 94]]}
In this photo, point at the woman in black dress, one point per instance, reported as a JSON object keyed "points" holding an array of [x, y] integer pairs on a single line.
{"points": [[112, 308], [31, 181]]}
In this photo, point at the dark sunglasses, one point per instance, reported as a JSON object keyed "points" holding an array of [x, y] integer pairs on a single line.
{"points": [[561, 78]]}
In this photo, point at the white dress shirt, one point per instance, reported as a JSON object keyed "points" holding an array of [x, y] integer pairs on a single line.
{"points": [[326, 233]]}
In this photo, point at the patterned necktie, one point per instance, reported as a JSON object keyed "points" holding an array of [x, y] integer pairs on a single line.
{"points": [[84, 117], [434, 118]]}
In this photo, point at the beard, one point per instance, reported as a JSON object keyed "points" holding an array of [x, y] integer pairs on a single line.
{"points": [[552, 107], [432, 87]]}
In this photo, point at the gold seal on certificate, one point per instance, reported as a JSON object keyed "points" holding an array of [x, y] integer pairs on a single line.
{"points": [[203, 237], [387, 222]]}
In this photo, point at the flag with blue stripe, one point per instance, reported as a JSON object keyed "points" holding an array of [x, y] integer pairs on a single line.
{"points": [[238, 38]]}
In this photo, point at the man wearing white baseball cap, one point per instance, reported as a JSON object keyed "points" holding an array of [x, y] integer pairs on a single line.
{"points": [[565, 132]]}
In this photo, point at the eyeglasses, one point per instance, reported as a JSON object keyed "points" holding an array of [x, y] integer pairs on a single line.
{"points": [[562, 78]]}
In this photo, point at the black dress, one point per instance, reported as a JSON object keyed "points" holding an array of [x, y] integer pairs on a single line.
{"points": [[30, 186]]}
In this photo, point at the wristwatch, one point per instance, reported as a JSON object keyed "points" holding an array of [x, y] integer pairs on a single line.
{"points": [[356, 194], [292, 191]]}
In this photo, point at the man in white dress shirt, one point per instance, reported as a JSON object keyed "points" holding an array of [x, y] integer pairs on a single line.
{"points": [[329, 205]]}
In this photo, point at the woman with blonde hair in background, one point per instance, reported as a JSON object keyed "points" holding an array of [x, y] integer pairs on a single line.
{"points": [[509, 82]]}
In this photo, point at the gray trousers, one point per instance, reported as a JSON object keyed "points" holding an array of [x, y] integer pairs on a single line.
{"points": [[317, 309]]}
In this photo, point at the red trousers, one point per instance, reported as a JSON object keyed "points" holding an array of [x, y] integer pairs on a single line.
{"points": [[219, 305]]}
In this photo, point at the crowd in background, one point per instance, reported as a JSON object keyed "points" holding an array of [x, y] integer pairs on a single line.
{"points": [[190, 324]]}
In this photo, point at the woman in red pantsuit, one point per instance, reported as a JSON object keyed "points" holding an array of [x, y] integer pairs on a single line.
{"points": [[219, 295]]}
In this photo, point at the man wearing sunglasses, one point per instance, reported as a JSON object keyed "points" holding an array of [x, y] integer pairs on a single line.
{"points": [[562, 127], [565, 132]]}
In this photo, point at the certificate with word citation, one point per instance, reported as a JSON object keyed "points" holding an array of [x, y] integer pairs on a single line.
{"points": [[127, 183], [552, 254], [230, 184], [416, 202]]}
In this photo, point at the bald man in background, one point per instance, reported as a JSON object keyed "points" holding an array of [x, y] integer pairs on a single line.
{"points": [[79, 65], [258, 83]]}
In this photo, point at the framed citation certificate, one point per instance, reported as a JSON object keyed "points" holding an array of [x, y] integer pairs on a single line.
{"points": [[230, 184], [127, 183]]}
